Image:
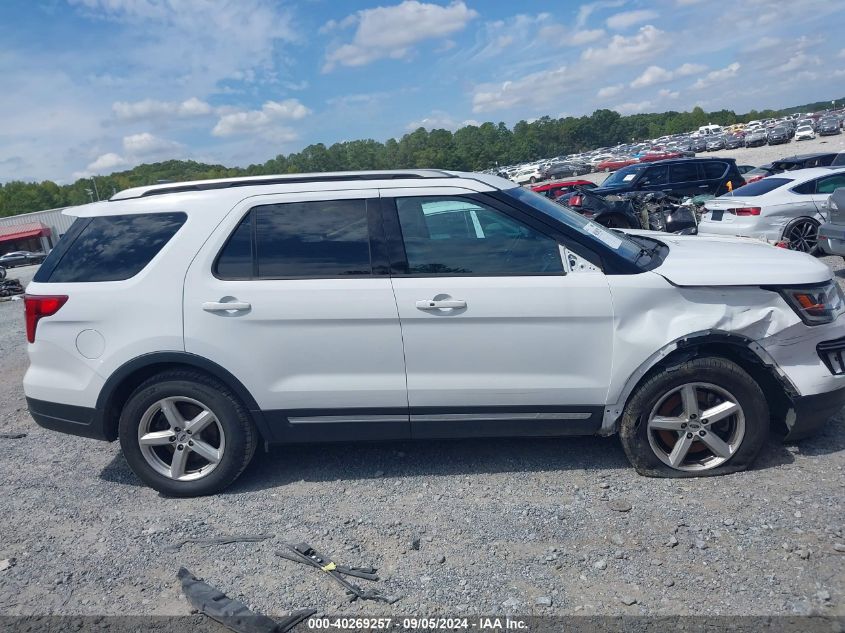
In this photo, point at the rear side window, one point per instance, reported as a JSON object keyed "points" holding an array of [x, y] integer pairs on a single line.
{"points": [[327, 238], [713, 171], [683, 172], [109, 248]]}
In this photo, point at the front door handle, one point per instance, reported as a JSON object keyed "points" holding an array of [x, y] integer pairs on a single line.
{"points": [[444, 304], [222, 306]]}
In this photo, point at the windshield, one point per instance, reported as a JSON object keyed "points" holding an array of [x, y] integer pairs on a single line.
{"points": [[623, 177], [623, 245]]}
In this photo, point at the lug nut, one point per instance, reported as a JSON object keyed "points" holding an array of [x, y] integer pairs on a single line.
{"points": [[190, 442], [692, 416], [177, 429], [689, 436], [172, 438], [188, 431], [180, 447], [704, 421], [702, 432], [683, 425]]}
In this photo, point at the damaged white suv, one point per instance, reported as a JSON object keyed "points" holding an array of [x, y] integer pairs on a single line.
{"points": [[194, 321]]}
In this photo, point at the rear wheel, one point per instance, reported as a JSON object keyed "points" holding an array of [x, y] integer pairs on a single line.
{"points": [[803, 235], [186, 435], [707, 417]]}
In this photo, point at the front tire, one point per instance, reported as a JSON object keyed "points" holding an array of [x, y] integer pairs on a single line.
{"points": [[707, 417], [185, 434]]}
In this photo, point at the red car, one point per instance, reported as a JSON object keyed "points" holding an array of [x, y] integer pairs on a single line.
{"points": [[555, 190], [661, 155], [613, 164]]}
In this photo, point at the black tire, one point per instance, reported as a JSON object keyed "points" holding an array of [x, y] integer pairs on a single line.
{"points": [[241, 436], [2, 273], [717, 371], [804, 234]]}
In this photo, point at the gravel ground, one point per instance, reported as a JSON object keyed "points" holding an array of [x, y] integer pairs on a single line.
{"points": [[561, 526]]}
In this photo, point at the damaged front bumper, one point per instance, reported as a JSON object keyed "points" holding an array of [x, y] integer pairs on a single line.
{"points": [[810, 413]]}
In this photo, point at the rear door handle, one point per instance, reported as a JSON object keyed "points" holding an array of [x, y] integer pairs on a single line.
{"points": [[431, 304], [222, 306]]}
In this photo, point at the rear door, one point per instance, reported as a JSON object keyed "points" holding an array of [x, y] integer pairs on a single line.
{"points": [[291, 295], [713, 174], [684, 180], [499, 338]]}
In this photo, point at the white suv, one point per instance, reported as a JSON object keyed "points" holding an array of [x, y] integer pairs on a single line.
{"points": [[194, 321]]}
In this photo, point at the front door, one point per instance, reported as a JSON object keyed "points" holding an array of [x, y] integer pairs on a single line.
{"points": [[291, 295], [500, 337]]}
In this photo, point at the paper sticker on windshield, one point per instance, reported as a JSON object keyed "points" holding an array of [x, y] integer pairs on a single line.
{"points": [[628, 177], [605, 236]]}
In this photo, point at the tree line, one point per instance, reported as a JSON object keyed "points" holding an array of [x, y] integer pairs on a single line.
{"points": [[470, 148]]}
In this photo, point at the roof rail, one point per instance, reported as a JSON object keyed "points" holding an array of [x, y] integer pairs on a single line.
{"points": [[252, 181]]}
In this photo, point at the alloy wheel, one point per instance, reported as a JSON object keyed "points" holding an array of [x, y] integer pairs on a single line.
{"points": [[803, 236], [181, 438], [696, 427]]}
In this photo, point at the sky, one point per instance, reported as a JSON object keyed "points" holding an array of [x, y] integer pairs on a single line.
{"points": [[97, 86]]}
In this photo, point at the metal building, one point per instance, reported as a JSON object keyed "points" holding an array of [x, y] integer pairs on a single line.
{"points": [[38, 231]]}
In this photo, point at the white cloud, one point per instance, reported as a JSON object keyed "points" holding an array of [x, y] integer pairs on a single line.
{"points": [[634, 107], [717, 76], [656, 75], [439, 120], [610, 91], [265, 121], [390, 32], [586, 10], [841, 54], [586, 36], [629, 50], [627, 19], [665, 93], [799, 61], [106, 163], [145, 144], [540, 88], [152, 109]]}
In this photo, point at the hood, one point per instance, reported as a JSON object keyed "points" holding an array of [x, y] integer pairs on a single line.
{"points": [[697, 260]]}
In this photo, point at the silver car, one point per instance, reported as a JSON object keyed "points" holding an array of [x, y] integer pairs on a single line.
{"points": [[832, 232], [785, 207]]}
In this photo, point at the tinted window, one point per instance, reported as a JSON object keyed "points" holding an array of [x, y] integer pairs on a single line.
{"points": [[463, 237], [760, 187], [808, 188], [683, 172], [839, 160], [714, 171], [312, 239], [109, 248], [235, 260], [656, 175], [830, 183]]}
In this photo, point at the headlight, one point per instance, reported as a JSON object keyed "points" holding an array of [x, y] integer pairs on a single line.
{"points": [[816, 304]]}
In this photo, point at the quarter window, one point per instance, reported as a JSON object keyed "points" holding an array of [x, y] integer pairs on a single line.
{"points": [[830, 184], [713, 171], [458, 236]]}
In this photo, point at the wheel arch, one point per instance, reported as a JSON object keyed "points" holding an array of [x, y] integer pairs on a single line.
{"points": [[742, 350], [130, 375]]}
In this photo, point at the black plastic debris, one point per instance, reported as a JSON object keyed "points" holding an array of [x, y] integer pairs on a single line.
{"points": [[231, 613], [307, 555], [12, 436], [222, 540]]}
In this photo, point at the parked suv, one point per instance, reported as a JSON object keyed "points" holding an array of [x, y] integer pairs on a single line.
{"points": [[677, 177], [197, 321]]}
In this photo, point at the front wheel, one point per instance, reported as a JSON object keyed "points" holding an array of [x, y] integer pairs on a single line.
{"points": [[707, 417], [185, 434]]}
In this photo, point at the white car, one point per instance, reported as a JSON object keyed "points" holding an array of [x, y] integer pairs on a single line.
{"points": [[805, 133], [197, 321], [529, 174], [784, 207]]}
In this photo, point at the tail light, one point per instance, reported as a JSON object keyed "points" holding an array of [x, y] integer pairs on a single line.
{"points": [[745, 211], [38, 306], [576, 201]]}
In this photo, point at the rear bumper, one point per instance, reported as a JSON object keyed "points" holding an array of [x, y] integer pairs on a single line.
{"points": [[832, 238], [812, 412], [67, 418]]}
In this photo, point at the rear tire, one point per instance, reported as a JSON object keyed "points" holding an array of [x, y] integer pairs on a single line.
{"points": [[186, 434], [803, 235], [664, 432]]}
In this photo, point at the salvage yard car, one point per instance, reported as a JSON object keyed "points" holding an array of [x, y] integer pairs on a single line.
{"points": [[228, 314], [784, 207]]}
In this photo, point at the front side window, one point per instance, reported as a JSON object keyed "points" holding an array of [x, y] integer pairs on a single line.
{"points": [[656, 175], [327, 238], [459, 236], [109, 247]]}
